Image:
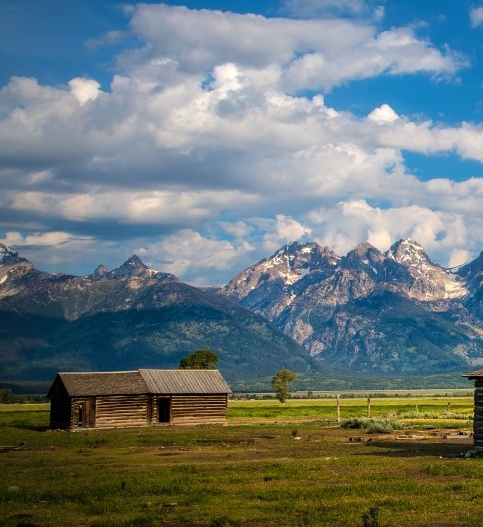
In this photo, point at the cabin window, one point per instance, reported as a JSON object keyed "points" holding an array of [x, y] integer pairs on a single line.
{"points": [[164, 409], [80, 414]]}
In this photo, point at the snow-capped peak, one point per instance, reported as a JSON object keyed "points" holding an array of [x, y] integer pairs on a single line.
{"points": [[407, 250], [7, 256], [5, 252]]}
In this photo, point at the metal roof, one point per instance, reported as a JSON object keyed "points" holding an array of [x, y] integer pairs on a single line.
{"points": [[185, 381], [166, 382]]}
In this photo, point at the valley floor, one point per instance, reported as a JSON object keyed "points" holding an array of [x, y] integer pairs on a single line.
{"points": [[283, 469]]}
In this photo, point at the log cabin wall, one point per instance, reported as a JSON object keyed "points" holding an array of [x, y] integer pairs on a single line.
{"points": [[198, 409], [113, 411], [88, 400], [60, 407], [478, 416], [189, 409], [60, 414]]}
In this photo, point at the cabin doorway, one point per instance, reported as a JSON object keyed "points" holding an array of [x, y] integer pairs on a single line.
{"points": [[87, 413], [164, 409]]}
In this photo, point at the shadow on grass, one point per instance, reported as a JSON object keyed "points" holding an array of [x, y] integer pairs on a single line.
{"points": [[33, 428], [407, 448]]}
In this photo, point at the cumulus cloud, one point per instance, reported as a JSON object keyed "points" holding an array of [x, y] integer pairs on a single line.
{"points": [[188, 250], [43, 239], [351, 222], [84, 89], [313, 53], [283, 230], [208, 144], [383, 114]]}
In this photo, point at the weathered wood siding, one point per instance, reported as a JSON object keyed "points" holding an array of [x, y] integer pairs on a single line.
{"points": [[191, 409], [60, 408], [478, 417], [120, 411], [198, 409], [88, 421]]}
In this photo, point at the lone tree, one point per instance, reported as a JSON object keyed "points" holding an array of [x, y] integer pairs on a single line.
{"points": [[281, 383], [200, 360]]}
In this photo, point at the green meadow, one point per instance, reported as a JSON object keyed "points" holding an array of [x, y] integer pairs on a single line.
{"points": [[271, 465]]}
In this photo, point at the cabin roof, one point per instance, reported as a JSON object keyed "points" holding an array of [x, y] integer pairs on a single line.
{"points": [[102, 383], [166, 382], [185, 381], [474, 374]]}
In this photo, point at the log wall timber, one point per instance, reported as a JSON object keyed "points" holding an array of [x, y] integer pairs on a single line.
{"points": [[115, 411], [60, 415], [192, 409], [478, 416], [121, 411], [477, 376]]}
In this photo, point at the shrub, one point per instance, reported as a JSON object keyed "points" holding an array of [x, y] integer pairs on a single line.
{"points": [[373, 426]]}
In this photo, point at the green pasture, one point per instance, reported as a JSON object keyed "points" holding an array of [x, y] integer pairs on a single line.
{"points": [[326, 409], [271, 465]]}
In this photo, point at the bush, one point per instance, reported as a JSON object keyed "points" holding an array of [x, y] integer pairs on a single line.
{"points": [[373, 426]]}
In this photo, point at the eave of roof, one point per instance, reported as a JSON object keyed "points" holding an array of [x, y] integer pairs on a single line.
{"points": [[474, 374]]}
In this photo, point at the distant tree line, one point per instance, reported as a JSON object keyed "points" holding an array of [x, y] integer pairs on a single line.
{"points": [[7, 397]]}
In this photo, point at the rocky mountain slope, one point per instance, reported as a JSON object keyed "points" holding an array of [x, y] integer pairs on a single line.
{"points": [[128, 318], [368, 312]]}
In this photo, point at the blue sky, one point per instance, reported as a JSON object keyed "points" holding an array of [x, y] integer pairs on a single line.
{"points": [[204, 135]]}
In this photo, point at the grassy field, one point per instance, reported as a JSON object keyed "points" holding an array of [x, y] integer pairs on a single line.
{"points": [[272, 465]]}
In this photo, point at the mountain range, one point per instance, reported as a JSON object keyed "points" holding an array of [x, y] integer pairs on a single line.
{"points": [[391, 313], [131, 317], [368, 313]]}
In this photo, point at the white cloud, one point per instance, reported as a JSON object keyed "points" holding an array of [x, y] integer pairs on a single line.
{"points": [[476, 16], [60, 251], [459, 257], [239, 229], [351, 222], [383, 114], [312, 53], [188, 250], [84, 89], [283, 230], [133, 207]]}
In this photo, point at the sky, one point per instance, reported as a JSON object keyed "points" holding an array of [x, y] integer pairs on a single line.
{"points": [[203, 136]]}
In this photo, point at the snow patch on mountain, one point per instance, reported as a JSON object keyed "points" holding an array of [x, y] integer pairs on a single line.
{"points": [[6, 254]]}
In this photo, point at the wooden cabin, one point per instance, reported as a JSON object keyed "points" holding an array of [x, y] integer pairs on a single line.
{"points": [[477, 376], [98, 400]]}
